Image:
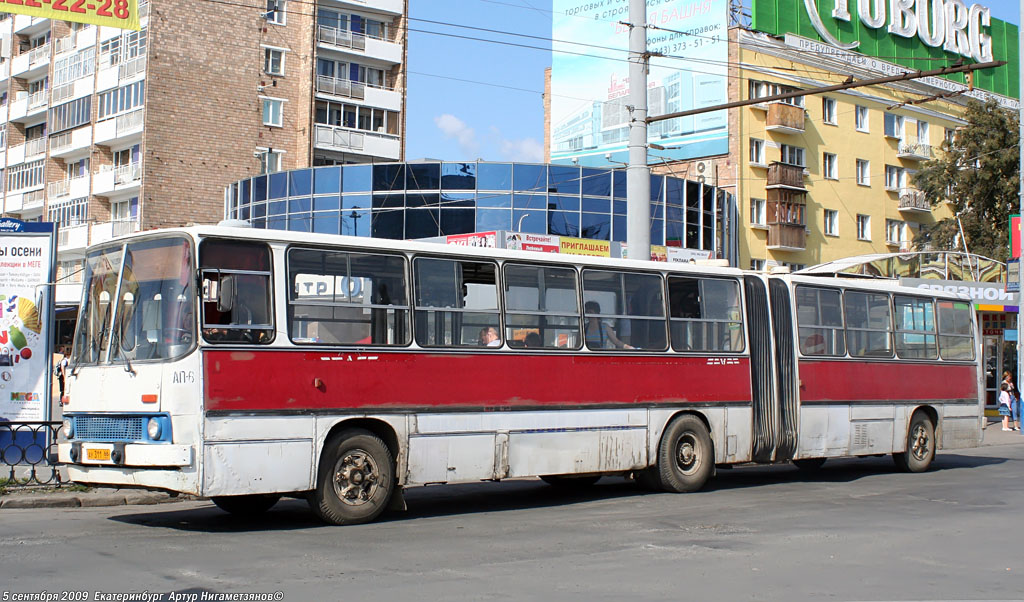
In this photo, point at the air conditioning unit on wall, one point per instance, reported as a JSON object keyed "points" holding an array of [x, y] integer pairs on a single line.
{"points": [[705, 171]]}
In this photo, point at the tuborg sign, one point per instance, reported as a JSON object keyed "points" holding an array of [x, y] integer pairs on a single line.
{"points": [[912, 33]]}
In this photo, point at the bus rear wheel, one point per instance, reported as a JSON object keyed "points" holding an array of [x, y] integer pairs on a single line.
{"points": [[355, 480], [246, 505], [685, 456], [920, 451]]}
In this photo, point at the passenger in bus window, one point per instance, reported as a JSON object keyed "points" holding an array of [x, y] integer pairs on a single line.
{"points": [[489, 337], [600, 334], [533, 340]]}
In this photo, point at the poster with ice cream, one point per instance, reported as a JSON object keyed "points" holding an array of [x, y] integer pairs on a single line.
{"points": [[26, 268]]}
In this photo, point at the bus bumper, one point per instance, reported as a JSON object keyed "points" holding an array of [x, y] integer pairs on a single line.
{"points": [[82, 453]]}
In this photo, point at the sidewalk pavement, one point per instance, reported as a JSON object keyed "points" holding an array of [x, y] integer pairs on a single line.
{"points": [[69, 496]]}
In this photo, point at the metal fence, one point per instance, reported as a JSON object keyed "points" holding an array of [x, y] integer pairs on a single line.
{"points": [[28, 454]]}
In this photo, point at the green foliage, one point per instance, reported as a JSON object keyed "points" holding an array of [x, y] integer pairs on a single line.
{"points": [[979, 175]]}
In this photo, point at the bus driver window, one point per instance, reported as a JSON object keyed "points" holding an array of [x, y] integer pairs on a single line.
{"points": [[236, 292]]}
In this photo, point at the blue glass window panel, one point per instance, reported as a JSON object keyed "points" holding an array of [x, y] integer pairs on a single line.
{"points": [[692, 236], [563, 179], [243, 213], [389, 177], [563, 223], [530, 201], [388, 224], [278, 222], [245, 195], [388, 201], [421, 223], [300, 223], [597, 226], [277, 208], [458, 176], [674, 214], [674, 234], [657, 188], [259, 188], [356, 223], [457, 221], [299, 205], [422, 200], [493, 219], [692, 194], [564, 203], [658, 232], [620, 207], [619, 184], [709, 199], [494, 176], [674, 191], [619, 228], [327, 180], [356, 178], [657, 211], [530, 177], [424, 176], [596, 182], [300, 182], [278, 185], [327, 203], [458, 199], [259, 223], [259, 210], [494, 199], [358, 201], [597, 205], [533, 221], [326, 223]]}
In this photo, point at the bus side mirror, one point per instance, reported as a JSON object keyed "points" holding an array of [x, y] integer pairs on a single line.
{"points": [[226, 294]]}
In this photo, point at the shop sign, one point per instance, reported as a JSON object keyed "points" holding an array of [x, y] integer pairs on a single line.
{"points": [[993, 293]]}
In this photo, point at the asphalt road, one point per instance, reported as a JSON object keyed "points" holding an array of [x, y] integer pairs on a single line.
{"points": [[855, 531]]}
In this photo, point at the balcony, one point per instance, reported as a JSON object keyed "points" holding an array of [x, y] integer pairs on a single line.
{"points": [[131, 68], [346, 140], [120, 129], [74, 188], [33, 149], [787, 237], [72, 237], [378, 96], [32, 200], [114, 179], [104, 231], [782, 175], [347, 41], [67, 143], [914, 151], [913, 201], [5, 70], [65, 44], [785, 118], [394, 7], [29, 63]]}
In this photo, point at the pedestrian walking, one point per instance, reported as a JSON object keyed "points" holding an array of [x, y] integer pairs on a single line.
{"points": [[60, 364], [1005, 400], [1015, 401]]}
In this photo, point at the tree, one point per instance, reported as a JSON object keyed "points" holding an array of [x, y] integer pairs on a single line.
{"points": [[978, 173]]}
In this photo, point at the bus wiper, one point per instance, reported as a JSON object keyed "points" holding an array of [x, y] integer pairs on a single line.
{"points": [[127, 364]]}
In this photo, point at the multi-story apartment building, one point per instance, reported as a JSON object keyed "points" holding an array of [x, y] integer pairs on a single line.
{"points": [[107, 131]]}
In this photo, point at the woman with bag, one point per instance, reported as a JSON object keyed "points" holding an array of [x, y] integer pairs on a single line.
{"points": [[1005, 400], [1014, 400]]}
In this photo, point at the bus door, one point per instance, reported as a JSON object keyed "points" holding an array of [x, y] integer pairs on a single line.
{"points": [[772, 370]]}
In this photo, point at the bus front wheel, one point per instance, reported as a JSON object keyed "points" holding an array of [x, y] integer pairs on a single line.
{"points": [[246, 505], [685, 456], [355, 480], [920, 451]]}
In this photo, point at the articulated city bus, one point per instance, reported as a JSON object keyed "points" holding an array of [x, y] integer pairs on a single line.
{"points": [[245, 365]]}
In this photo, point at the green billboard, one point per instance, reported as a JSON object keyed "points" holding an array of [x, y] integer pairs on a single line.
{"points": [[917, 34]]}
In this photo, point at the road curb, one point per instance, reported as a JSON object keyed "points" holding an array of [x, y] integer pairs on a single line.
{"points": [[58, 499]]}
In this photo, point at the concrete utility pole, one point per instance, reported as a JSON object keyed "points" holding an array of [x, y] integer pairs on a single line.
{"points": [[1020, 208], [638, 174]]}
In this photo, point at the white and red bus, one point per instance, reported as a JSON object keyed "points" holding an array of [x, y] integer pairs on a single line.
{"points": [[244, 365]]}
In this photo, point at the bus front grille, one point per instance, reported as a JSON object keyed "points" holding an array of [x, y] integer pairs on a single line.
{"points": [[110, 428]]}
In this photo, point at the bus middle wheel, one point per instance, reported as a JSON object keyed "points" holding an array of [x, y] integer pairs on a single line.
{"points": [[355, 480], [685, 456]]}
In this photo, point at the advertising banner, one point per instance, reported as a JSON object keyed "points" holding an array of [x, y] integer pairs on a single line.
{"points": [[123, 14], [1014, 235], [583, 246], [475, 239], [522, 241], [590, 79], [27, 260]]}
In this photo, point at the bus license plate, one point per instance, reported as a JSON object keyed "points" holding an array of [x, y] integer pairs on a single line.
{"points": [[98, 454]]}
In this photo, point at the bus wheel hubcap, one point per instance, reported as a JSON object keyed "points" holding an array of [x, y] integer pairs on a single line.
{"points": [[686, 454], [355, 478], [919, 445]]}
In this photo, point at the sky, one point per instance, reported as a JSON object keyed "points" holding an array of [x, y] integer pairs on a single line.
{"points": [[471, 99]]}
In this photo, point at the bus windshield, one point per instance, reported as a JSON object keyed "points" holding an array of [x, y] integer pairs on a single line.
{"points": [[139, 302]]}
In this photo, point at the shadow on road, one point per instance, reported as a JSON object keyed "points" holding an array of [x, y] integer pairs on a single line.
{"points": [[460, 499]]}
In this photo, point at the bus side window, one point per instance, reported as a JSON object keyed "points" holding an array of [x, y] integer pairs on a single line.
{"points": [[705, 314], [819, 316], [868, 324], [956, 335], [456, 303], [623, 310], [541, 307], [237, 293], [915, 328]]}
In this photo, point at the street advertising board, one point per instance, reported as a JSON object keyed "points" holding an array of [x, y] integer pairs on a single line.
{"points": [[27, 267], [590, 80], [123, 14], [474, 239], [1015, 235], [584, 246], [524, 241], [1013, 276], [908, 35]]}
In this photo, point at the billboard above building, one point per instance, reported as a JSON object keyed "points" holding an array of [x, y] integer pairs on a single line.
{"points": [[917, 34], [589, 118], [123, 14]]}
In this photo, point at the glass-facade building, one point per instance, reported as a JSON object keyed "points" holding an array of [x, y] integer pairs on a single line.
{"points": [[430, 199]]}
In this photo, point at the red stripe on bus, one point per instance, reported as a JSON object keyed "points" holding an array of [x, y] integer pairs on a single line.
{"points": [[281, 380], [885, 381]]}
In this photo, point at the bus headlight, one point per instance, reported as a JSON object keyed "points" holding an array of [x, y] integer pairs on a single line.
{"points": [[154, 429], [68, 428]]}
